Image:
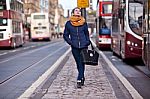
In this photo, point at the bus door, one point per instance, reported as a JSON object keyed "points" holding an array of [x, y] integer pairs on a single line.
{"points": [[121, 14], [146, 35]]}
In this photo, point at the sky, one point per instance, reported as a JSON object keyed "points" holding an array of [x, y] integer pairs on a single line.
{"points": [[70, 4]]}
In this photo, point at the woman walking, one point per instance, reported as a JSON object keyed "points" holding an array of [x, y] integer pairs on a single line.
{"points": [[77, 36]]}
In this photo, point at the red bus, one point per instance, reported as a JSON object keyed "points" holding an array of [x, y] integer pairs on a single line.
{"points": [[146, 34], [103, 24], [11, 23], [127, 24]]}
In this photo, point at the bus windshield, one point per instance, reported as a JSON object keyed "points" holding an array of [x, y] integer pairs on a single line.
{"points": [[135, 17], [107, 8], [2, 4], [104, 31], [39, 17], [3, 22]]}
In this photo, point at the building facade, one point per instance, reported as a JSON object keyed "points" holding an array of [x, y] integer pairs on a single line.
{"points": [[61, 20], [52, 6], [44, 6], [31, 6], [56, 12]]}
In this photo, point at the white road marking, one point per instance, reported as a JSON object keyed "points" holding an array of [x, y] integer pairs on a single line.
{"points": [[125, 82], [3, 53], [120, 60], [114, 59], [10, 51], [113, 56], [44, 58], [26, 48], [13, 51], [32, 46], [49, 72], [19, 50], [28, 52]]}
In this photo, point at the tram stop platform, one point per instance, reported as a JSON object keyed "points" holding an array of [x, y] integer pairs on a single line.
{"points": [[100, 83]]}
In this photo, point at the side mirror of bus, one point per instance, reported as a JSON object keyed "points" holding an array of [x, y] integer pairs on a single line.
{"points": [[120, 13]]}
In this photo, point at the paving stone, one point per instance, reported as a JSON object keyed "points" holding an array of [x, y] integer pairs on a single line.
{"points": [[96, 85]]}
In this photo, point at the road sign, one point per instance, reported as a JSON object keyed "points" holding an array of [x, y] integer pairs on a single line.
{"points": [[83, 3]]}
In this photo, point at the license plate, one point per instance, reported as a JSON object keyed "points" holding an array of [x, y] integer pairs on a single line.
{"points": [[38, 32], [1, 35], [40, 38]]}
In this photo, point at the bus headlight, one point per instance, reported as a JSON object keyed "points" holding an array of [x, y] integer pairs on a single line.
{"points": [[114, 41], [4, 21], [132, 44], [128, 42], [131, 49], [136, 45]]}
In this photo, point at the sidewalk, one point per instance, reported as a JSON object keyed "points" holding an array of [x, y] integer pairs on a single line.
{"points": [[96, 85]]}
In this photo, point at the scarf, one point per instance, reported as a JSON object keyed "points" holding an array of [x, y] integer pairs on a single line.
{"points": [[77, 20]]}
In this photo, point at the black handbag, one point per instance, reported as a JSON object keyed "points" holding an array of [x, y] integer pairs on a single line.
{"points": [[90, 56]]}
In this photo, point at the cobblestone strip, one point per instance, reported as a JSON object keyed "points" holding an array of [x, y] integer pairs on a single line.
{"points": [[96, 85]]}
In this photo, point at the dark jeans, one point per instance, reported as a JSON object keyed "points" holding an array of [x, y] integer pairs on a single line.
{"points": [[79, 62]]}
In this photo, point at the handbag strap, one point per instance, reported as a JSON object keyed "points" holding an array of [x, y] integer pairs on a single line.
{"points": [[91, 45]]}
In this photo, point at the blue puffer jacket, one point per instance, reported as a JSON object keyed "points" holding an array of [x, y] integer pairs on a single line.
{"points": [[76, 36]]}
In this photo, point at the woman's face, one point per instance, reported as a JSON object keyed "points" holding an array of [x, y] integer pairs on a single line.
{"points": [[77, 12]]}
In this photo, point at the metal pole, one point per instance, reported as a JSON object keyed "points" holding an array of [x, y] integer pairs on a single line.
{"points": [[83, 12]]}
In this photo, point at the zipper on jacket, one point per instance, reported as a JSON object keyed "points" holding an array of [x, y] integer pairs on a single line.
{"points": [[78, 36]]}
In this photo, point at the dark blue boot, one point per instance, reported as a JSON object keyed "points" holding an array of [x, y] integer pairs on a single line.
{"points": [[79, 84], [82, 81]]}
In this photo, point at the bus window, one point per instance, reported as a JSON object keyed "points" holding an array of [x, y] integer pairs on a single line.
{"points": [[12, 4], [39, 17], [107, 8], [135, 17], [104, 31], [2, 4], [148, 16], [115, 26]]}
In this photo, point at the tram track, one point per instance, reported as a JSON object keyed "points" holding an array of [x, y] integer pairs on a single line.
{"points": [[30, 65]]}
